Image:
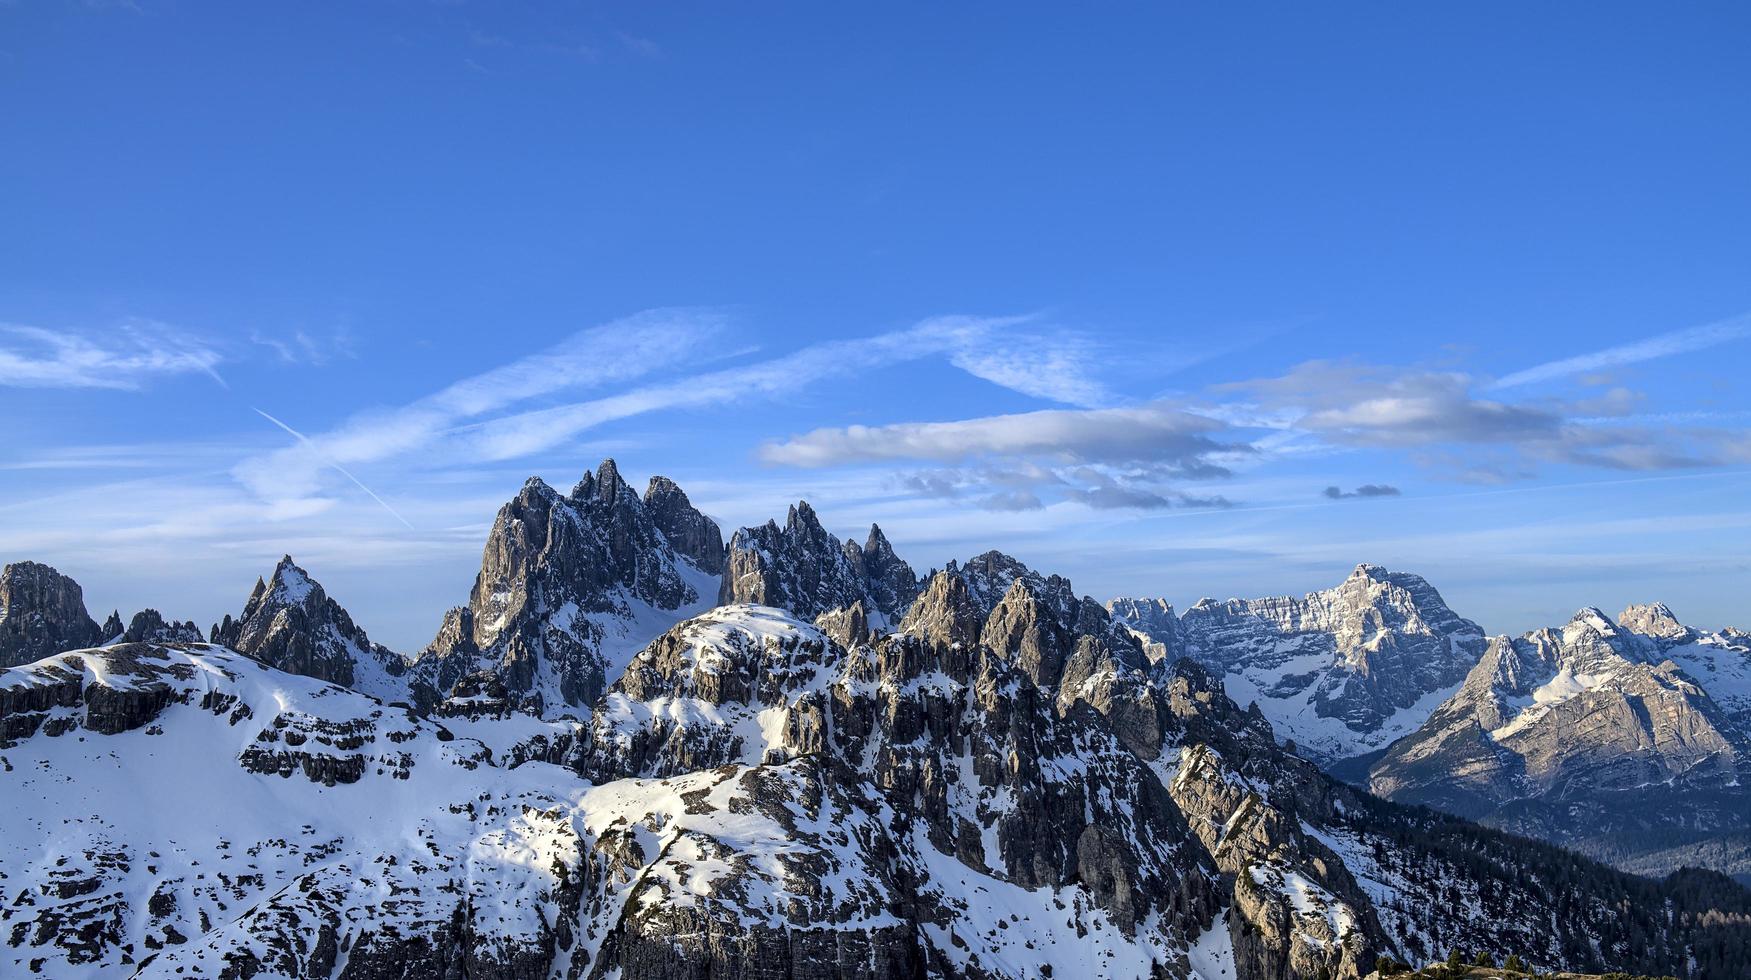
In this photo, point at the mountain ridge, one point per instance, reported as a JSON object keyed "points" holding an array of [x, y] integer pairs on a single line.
{"points": [[594, 771]]}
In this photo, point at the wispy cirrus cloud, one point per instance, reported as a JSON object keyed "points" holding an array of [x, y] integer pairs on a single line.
{"points": [[1665, 345], [482, 419], [301, 347], [124, 358], [616, 352]]}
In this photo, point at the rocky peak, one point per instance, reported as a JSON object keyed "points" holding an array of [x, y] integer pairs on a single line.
{"points": [[802, 568], [113, 627], [566, 582], [989, 576], [893, 585], [42, 612], [1154, 623], [1343, 670], [692, 534], [1583, 733], [945, 614], [289, 622]]}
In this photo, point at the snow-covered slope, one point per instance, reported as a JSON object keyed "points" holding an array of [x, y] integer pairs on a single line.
{"points": [[1341, 672], [750, 796]]}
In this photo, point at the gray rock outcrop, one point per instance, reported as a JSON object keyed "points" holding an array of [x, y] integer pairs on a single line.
{"points": [[42, 612], [802, 568], [290, 623]]}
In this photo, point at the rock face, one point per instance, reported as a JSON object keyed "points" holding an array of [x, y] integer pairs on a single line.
{"points": [[693, 535], [570, 586], [42, 612], [1586, 735], [1341, 672], [802, 568], [291, 623]]}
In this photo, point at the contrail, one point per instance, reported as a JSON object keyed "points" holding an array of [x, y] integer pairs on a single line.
{"points": [[356, 481], [1676, 342]]}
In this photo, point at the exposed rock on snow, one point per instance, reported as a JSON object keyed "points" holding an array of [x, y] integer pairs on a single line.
{"points": [[571, 586]]}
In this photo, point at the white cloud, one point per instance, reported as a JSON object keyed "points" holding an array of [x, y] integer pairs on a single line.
{"points": [[1157, 432], [1664, 345], [124, 358]]}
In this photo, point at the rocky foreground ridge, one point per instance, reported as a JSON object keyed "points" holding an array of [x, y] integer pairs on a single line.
{"points": [[594, 773]]}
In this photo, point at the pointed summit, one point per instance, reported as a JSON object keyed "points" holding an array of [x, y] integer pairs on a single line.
{"points": [[609, 485], [291, 623]]}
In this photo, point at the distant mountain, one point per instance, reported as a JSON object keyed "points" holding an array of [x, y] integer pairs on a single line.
{"points": [[1340, 672], [1602, 735]]}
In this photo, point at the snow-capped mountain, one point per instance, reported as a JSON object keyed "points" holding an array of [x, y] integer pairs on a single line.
{"points": [[1341, 672], [804, 569], [571, 586], [289, 622], [1588, 735]]}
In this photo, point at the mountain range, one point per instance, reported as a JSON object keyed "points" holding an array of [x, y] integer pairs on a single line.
{"points": [[640, 751]]}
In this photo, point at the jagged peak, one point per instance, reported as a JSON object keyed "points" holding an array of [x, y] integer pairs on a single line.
{"points": [[876, 542], [292, 583], [608, 481], [802, 516]]}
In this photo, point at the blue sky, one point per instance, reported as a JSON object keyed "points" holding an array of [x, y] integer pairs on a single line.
{"points": [[1122, 292]]}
